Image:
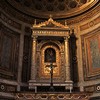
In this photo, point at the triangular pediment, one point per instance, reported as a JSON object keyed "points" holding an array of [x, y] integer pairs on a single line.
{"points": [[50, 23]]}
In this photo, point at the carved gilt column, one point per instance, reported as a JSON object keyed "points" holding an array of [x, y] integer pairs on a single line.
{"points": [[67, 59], [33, 61]]}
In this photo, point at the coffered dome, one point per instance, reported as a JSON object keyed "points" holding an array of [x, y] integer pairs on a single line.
{"points": [[57, 8]]}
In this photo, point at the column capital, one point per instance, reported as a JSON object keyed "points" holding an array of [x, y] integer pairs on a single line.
{"points": [[34, 37], [66, 37]]}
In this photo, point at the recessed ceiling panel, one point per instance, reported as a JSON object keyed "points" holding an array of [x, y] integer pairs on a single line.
{"points": [[57, 8]]}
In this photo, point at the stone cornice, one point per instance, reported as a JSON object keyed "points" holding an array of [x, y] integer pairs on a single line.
{"points": [[29, 19]]}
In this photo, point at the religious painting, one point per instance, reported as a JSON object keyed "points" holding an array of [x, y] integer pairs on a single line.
{"points": [[50, 54], [94, 52], [91, 55]]}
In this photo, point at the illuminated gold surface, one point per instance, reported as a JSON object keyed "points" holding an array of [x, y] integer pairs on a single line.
{"points": [[45, 71], [47, 29], [49, 22], [50, 32]]}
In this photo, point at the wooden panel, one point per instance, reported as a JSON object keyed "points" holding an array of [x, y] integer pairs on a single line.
{"points": [[90, 24], [53, 96], [9, 46]]}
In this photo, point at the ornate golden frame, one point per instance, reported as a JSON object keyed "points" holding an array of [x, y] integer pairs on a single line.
{"points": [[45, 71]]}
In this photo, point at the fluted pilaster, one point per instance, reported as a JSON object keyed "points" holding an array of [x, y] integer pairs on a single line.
{"points": [[33, 61], [67, 59]]}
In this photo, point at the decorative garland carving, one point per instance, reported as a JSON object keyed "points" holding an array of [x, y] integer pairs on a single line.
{"points": [[53, 96], [8, 53]]}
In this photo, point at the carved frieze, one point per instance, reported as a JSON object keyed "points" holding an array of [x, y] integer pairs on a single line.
{"points": [[53, 96], [50, 28], [84, 16], [90, 24], [7, 88], [49, 33], [10, 21], [92, 88]]}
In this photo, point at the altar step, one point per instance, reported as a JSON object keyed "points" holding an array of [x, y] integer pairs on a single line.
{"points": [[52, 96]]}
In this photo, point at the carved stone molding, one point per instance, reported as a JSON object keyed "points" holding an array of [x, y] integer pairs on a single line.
{"points": [[90, 24], [29, 19], [53, 96], [10, 22]]}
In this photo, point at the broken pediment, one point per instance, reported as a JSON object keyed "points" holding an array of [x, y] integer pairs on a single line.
{"points": [[50, 28], [50, 23]]}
